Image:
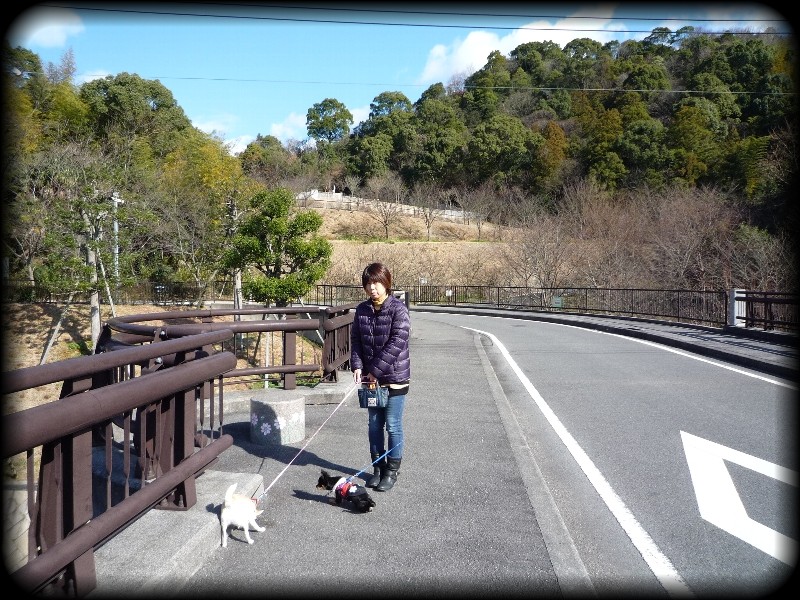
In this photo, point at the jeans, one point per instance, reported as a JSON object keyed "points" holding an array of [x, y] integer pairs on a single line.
{"points": [[390, 418]]}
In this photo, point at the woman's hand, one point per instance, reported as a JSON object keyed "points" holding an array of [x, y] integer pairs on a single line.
{"points": [[357, 375]]}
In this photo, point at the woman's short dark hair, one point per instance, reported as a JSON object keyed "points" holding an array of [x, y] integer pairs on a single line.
{"points": [[376, 273]]}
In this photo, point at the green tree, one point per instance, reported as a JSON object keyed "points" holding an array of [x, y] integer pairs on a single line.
{"points": [[693, 144], [642, 148], [747, 158], [440, 138], [198, 212], [25, 72], [278, 249], [371, 155], [582, 60], [436, 91], [267, 160], [646, 77], [382, 141], [551, 155], [388, 102], [602, 131], [502, 148], [328, 120], [139, 107]]}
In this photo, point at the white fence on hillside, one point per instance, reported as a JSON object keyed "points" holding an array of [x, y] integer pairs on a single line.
{"points": [[338, 201]]}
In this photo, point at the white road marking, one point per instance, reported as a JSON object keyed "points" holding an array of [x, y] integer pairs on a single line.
{"points": [[719, 502], [659, 564], [663, 347], [696, 357]]}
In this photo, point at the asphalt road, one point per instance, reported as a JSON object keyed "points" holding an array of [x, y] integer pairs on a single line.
{"points": [[695, 460], [541, 459]]}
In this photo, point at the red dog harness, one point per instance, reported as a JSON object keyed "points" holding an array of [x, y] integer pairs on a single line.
{"points": [[344, 488]]}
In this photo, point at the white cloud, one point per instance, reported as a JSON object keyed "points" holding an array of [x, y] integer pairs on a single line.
{"points": [[91, 76], [359, 115], [219, 125], [238, 144], [45, 27], [465, 56], [293, 127]]}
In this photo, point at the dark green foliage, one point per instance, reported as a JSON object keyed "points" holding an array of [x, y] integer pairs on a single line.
{"points": [[279, 250]]}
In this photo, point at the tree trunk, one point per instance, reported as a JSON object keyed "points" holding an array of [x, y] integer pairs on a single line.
{"points": [[91, 261], [238, 300]]}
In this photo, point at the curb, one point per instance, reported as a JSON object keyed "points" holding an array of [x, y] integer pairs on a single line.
{"points": [[133, 564]]}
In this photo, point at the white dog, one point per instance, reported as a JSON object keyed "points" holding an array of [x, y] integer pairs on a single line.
{"points": [[238, 511]]}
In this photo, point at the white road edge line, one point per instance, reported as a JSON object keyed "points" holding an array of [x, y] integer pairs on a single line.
{"points": [[573, 578], [664, 347], [659, 564]]}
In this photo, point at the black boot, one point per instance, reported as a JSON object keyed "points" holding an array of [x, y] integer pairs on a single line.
{"points": [[377, 473], [389, 475]]}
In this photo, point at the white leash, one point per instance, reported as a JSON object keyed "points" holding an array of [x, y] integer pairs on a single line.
{"points": [[299, 452]]}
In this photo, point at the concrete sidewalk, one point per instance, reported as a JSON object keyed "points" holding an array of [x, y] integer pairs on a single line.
{"points": [[445, 543]]}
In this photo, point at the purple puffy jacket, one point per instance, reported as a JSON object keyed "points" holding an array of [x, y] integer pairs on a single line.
{"points": [[379, 342]]}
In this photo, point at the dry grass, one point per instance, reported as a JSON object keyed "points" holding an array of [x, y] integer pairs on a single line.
{"points": [[28, 329], [363, 226], [455, 252]]}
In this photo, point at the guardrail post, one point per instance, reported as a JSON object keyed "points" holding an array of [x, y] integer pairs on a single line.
{"points": [[736, 308]]}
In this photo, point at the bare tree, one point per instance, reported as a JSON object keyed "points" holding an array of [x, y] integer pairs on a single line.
{"points": [[522, 208], [302, 185], [477, 203], [576, 204], [690, 227], [387, 212], [73, 181], [428, 198], [541, 255], [615, 241], [353, 182], [753, 259]]}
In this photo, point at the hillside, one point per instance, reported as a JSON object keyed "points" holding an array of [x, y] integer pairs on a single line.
{"points": [[454, 253]]}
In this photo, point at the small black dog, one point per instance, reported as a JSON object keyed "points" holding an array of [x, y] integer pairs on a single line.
{"points": [[357, 495]]}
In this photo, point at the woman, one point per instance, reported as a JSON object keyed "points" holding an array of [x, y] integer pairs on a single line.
{"points": [[379, 354]]}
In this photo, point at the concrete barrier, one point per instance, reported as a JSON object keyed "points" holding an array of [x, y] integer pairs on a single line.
{"points": [[276, 419]]}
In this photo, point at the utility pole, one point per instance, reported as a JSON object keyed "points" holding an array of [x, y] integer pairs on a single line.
{"points": [[115, 199]]}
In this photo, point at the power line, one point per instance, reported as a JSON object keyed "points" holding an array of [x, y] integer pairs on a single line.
{"points": [[391, 24], [465, 14], [471, 87]]}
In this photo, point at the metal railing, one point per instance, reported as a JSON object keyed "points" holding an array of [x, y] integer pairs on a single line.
{"points": [[766, 310], [330, 325], [158, 412], [149, 406]]}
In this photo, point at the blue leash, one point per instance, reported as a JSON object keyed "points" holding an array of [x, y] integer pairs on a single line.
{"points": [[372, 463]]}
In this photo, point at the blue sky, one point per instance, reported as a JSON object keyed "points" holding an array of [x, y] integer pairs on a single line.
{"points": [[242, 69]]}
